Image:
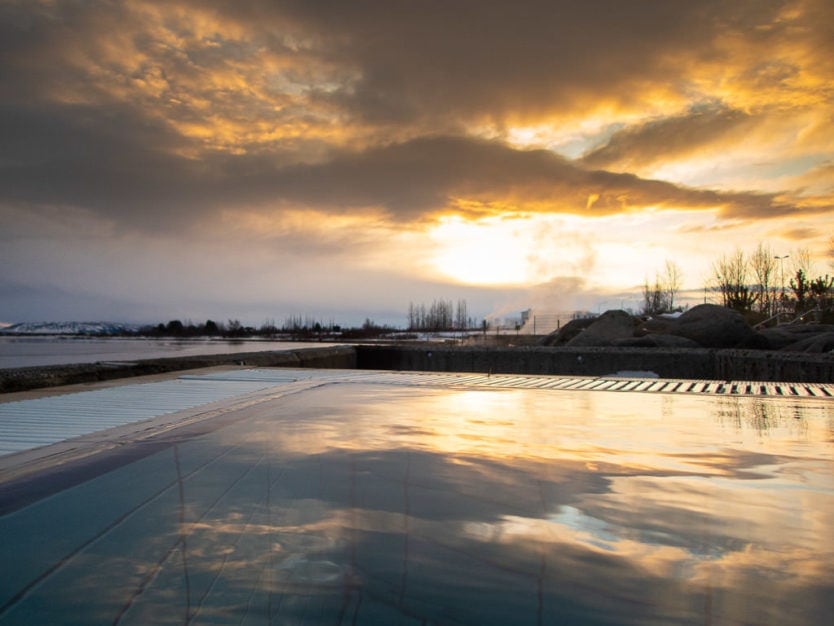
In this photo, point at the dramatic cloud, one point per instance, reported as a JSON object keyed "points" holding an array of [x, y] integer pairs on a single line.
{"points": [[667, 138], [492, 59], [255, 74], [429, 175], [341, 131], [409, 181]]}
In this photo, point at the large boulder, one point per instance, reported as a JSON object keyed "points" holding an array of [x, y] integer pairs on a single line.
{"points": [[713, 326], [818, 343], [656, 341], [655, 325], [606, 329], [780, 337], [567, 332], [757, 342]]}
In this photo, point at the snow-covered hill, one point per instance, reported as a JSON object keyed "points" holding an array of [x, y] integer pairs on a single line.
{"points": [[68, 328]]}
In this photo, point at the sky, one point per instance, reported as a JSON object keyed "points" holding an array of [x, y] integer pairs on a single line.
{"points": [[265, 158]]}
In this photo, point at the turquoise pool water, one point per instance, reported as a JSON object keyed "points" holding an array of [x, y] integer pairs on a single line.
{"points": [[374, 504]]}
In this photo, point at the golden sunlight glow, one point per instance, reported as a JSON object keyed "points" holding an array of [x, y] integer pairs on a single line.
{"points": [[486, 252], [517, 424], [572, 134], [299, 222], [535, 249]]}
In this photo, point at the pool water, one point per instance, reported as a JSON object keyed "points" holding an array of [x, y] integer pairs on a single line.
{"points": [[375, 504]]}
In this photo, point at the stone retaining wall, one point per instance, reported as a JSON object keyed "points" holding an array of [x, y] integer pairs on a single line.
{"points": [[567, 361], [665, 362], [762, 365]]}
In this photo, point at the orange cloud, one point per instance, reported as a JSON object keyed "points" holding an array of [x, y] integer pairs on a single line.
{"points": [[162, 116]]}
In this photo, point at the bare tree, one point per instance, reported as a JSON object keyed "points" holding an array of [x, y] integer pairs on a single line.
{"points": [[654, 297], [731, 280], [801, 260], [441, 315], [461, 315], [763, 265], [412, 316], [659, 297], [671, 282]]}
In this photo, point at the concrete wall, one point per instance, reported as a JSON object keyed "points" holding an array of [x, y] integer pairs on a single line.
{"points": [[667, 363]]}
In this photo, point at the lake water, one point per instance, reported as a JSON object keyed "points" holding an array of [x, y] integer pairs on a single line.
{"points": [[374, 504], [63, 350]]}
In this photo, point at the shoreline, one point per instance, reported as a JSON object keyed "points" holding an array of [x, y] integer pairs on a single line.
{"points": [[40, 377]]}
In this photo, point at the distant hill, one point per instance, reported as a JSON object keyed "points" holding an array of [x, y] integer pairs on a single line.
{"points": [[68, 328]]}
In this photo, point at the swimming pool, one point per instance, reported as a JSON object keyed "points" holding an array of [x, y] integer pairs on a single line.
{"points": [[368, 503]]}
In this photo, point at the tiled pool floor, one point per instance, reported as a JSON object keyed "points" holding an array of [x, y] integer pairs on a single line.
{"points": [[344, 498]]}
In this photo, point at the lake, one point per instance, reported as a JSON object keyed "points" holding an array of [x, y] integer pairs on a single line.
{"points": [[63, 350]]}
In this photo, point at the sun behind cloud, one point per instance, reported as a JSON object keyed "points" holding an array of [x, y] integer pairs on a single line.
{"points": [[308, 152], [479, 253]]}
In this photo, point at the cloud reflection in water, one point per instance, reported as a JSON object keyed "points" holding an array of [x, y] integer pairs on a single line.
{"points": [[378, 505]]}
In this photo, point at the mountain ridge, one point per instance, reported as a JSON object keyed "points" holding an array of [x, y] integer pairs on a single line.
{"points": [[69, 328]]}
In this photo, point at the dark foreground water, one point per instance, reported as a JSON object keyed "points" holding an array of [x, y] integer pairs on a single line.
{"points": [[37, 351], [367, 504]]}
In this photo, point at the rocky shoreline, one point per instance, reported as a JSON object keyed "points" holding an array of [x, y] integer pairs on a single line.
{"points": [[703, 326]]}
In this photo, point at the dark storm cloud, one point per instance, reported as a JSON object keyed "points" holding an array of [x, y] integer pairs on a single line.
{"points": [[419, 65], [667, 138], [425, 175], [107, 161], [79, 131], [442, 59], [446, 62]]}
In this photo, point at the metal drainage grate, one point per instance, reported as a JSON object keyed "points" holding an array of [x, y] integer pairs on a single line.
{"points": [[512, 381], [614, 384]]}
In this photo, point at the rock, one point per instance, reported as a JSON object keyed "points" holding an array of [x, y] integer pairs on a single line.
{"points": [[654, 325], [818, 343], [781, 337], [567, 332], [713, 326], [756, 341], [656, 341], [606, 329], [777, 338]]}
